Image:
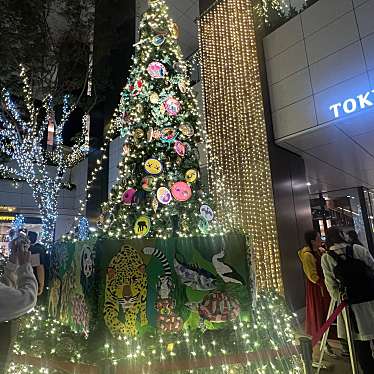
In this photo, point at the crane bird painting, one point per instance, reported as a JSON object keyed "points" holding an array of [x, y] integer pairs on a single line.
{"points": [[227, 274]]}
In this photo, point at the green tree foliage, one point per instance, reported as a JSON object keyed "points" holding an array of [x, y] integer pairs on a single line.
{"points": [[51, 39], [159, 119]]}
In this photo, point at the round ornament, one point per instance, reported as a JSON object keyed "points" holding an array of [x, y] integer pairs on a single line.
{"points": [[175, 30], [158, 40], [148, 183], [218, 307], [136, 88], [157, 70], [203, 225], [142, 226], [164, 195], [181, 191], [128, 196], [153, 98], [182, 86], [168, 134], [153, 166], [191, 175], [150, 134], [207, 212], [172, 106], [186, 130], [138, 133], [180, 148]]}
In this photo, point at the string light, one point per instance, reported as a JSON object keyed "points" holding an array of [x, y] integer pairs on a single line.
{"points": [[118, 220], [237, 131], [22, 141], [83, 229], [264, 8], [268, 331], [18, 223]]}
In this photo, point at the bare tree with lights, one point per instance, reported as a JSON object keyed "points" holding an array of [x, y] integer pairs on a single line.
{"points": [[42, 165]]}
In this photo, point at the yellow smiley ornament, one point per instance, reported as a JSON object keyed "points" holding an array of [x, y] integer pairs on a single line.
{"points": [[153, 166], [191, 175], [142, 226]]}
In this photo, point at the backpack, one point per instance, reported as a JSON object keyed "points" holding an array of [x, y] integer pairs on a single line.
{"points": [[355, 277]]}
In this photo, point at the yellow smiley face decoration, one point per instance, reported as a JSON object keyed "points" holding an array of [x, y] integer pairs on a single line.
{"points": [[142, 226], [153, 166], [191, 175]]}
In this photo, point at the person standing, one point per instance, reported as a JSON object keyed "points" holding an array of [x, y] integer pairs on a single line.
{"points": [[352, 237], [18, 293], [40, 268], [317, 296], [349, 272]]}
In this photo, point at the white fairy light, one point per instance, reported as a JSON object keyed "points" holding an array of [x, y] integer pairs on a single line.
{"points": [[22, 141]]}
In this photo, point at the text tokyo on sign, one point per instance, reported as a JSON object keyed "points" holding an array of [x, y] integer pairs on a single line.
{"points": [[353, 104]]}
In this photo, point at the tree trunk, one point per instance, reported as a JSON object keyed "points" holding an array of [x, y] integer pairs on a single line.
{"points": [[47, 202], [48, 227]]}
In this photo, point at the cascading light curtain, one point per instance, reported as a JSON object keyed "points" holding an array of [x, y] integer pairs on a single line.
{"points": [[239, 168]]}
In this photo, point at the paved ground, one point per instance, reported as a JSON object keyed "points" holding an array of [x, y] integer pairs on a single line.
{"points": [[339, 365]]}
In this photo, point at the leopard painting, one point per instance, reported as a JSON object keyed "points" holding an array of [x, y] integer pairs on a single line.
{"points": [[126, 288]]}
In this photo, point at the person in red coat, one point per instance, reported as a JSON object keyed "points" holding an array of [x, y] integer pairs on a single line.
{"points": [[317, 296]]}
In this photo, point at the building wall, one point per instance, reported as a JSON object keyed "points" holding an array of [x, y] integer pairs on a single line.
{"points": [[292, 205], [293, 216], [321, 57], [115, 155]]}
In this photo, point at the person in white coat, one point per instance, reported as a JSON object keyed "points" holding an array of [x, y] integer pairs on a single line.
{"points": [[18, 293], [362, 313], [19, 287]]}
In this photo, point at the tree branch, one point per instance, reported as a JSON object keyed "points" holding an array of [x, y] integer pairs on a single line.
{"points": [[7, 171]]}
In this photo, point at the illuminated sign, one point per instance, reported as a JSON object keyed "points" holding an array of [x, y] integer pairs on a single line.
{"points": [[4, 208], [353, 104], [7, 218]]}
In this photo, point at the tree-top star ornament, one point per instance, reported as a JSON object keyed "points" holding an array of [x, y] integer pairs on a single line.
{"points": [[158, 191]]}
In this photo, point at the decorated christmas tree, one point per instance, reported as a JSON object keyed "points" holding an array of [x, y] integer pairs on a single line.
{"points": [[159, 192], [180, 299]]}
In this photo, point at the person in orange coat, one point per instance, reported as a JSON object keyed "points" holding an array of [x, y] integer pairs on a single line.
{"points": [[317, 296]]}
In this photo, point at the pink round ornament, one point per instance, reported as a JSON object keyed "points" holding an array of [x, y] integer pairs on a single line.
{"points": [[128, 196], [180, 148], [168, 134], [172, 106], [157, 70], [181, 191]]}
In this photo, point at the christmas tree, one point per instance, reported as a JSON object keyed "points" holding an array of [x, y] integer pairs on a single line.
{"points": [[159, 192]]}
